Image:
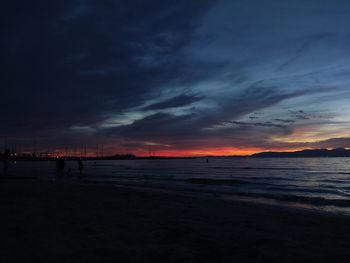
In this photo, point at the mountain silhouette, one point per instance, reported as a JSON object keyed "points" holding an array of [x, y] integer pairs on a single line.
{"points": [[338, 152]]}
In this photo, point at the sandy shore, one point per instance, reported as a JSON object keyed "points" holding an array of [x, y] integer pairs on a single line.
{"points": [[59, 222]]}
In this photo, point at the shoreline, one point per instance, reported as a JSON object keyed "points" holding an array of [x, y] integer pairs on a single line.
{"points": [[263, 199], [284, 202], [97, 223], [235, 198]]}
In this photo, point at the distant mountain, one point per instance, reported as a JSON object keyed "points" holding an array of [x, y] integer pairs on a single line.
{"points": [[339, 152]]}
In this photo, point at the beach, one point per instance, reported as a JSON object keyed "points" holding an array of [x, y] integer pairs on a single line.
{"points": [[44, 221]]}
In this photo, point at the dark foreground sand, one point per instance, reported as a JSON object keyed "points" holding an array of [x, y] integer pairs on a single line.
{"points": [[58, 222]]}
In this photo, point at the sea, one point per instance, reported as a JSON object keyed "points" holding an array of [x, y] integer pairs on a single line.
{"points": [[306, 183]]}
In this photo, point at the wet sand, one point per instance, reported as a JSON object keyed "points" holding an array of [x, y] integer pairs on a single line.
{"points": [[60, 222]]}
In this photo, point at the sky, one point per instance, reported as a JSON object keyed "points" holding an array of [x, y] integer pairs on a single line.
{"points": [[175, 78]]}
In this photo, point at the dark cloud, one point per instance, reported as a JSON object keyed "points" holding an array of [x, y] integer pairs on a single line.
{"points": [[175, 102], [158, 126], [285, 121], [300, 115], [169, 127], [331, 143], [72, 62], [258, 124]]}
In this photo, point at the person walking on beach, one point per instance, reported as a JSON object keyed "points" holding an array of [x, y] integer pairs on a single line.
{"points": [[80, 168]]}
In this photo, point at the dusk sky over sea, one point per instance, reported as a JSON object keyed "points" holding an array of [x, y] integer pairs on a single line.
{"points": [[175, 131], [178, 78]]}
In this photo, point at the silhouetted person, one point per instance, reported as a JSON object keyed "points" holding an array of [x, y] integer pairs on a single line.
{"points": [[80, 167], [6, 161], [207, 160]]}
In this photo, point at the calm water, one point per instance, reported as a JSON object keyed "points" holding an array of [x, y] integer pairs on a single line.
{"points": [[322, 183]]}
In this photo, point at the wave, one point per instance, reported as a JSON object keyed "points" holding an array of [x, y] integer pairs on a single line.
{"points": [[316, 191], [271, 178], [334, 181], [215, 181], [280, 197], [283, 198], [316, 201], [334, 172], [259, 168]]}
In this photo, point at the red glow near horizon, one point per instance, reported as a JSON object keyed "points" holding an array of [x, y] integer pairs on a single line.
{"points": [[224, 151], [207, 152]]}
